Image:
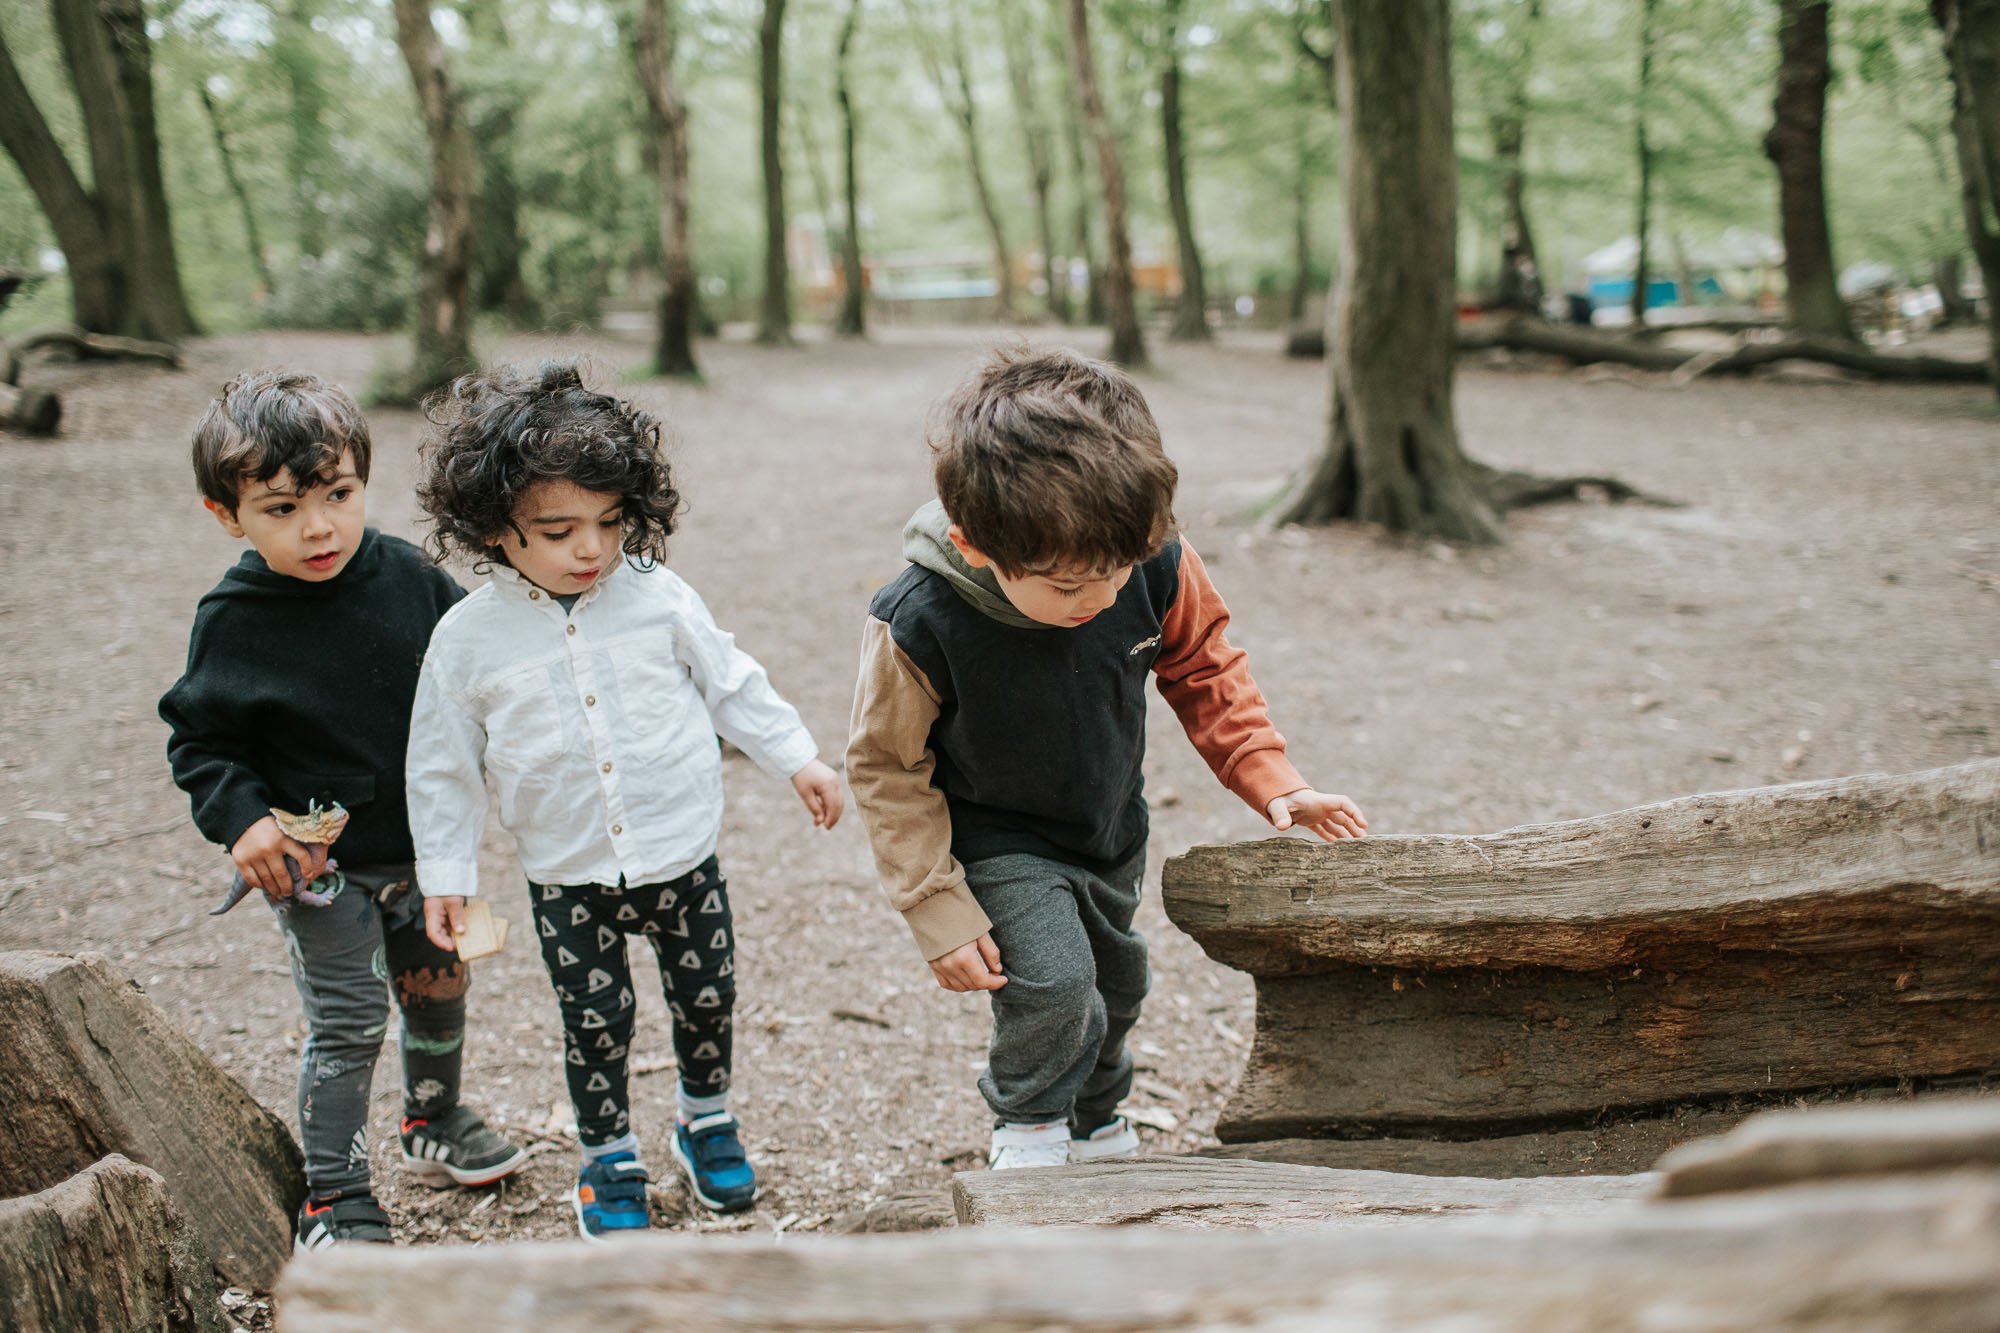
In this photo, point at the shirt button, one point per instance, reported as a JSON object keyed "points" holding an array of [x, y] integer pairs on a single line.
{"points": [[617, 829], [534, 595], [590, 701], [607, 766], [569, 629]]}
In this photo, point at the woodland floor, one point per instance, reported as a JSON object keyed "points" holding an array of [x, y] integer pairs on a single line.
{"points": [[1827, 602]]}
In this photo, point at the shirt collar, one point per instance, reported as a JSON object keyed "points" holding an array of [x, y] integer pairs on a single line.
{"points": [[510, 582]]}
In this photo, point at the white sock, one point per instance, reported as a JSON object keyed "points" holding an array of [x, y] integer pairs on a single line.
{"points": [[693, 1108]]}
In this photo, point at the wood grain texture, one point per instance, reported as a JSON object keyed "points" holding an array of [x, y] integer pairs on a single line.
{"points": [[91, 1067], [1206, 1194], [1615, 1148], [1896, 1253], [1782, 1146], [105, 1249], [1753, 943]]}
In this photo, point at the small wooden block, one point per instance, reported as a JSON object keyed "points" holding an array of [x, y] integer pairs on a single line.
{"points": [[485, 934]]}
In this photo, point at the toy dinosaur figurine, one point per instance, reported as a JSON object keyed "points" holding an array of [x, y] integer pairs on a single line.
{"points": [[318, 826]]}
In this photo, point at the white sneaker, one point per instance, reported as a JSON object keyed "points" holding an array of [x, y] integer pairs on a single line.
{"points": [[1029, 1145], [1114, 1138]]}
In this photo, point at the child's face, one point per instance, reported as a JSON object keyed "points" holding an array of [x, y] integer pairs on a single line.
{"points": [[569, 538], [1065, 599], [308, 535]]}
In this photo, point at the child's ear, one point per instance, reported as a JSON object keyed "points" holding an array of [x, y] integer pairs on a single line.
{"points": [[223, 515], [975, 557]]}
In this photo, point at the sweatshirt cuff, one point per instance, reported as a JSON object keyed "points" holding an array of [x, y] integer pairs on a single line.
{"points": [[229, 815], [946, 920], [1264, 775], [448, 879]]}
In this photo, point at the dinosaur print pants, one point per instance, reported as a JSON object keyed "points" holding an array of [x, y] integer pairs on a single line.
{"points": [[348, 959], [582, 929]]}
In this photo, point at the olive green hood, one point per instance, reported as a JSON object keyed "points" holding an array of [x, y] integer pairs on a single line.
{"points": [[926, 544]]}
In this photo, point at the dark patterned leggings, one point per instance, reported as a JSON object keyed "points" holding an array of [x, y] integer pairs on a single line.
{"points": [[582, 928]]}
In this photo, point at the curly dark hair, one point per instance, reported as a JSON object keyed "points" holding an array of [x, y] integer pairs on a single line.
{"points": [[501, 432]]}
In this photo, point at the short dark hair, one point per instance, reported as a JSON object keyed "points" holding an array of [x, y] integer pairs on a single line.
{"points": [[1047, 460], [501, 432], [267, 420]]}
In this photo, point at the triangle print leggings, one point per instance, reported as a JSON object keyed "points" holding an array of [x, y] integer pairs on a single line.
{"points": [[582, 929]]}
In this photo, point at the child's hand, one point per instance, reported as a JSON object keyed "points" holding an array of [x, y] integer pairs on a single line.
{"points": [[444, 921], [260, 858], [1332, 817], [974, 966], [819, 787]]}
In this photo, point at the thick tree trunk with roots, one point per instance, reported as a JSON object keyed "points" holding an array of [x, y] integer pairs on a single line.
{"points": [[1035, 138], [1972, 46], [1191, 319], [115, 236], [1392, 452], [444, 287], [852, 321], [774, 319], [673, 343], [1128, 345], [1795, 146]]}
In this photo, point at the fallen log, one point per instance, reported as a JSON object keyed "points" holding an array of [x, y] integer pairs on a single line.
{"points": [[84, 346], [1587, 348], [1748, 943], [1197, 1193], [1779, 1147], [90, 1067], [1898, 1253], [29, 411], [105, 1249]]}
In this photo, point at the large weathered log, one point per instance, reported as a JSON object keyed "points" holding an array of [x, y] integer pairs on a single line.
{"points": [[1897, 1253], [82, 346], [29, 411], [1744, 943], [90, 1066], [1783, 1146], [1205, 1194], [105, 1249], [1587, 348]]}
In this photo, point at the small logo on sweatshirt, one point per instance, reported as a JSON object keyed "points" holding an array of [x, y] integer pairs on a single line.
{"points": [[1142, 646]]}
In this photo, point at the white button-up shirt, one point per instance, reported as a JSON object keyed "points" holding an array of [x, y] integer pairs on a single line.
{"points": [[598, 727]]}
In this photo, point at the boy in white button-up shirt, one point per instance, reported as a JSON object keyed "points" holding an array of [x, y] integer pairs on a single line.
{"points": [[590, 682]]}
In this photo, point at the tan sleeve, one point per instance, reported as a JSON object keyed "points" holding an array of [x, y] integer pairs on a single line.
{"points": [[889, 765]]}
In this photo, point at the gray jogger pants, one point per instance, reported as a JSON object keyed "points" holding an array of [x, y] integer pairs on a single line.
{"points": [[1076, 976], [346, 959]]}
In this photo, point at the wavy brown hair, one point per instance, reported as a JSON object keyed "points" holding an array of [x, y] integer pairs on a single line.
{"points": [[501, 432]]}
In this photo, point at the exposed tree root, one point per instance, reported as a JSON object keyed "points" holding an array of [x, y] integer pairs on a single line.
{"points": [[1511, 489]]}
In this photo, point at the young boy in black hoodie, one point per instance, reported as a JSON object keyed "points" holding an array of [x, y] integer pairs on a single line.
{"points": [[302, 668]]}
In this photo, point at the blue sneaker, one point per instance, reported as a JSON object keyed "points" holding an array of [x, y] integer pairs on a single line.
{"points": [[610, 1198], [718, 1170]]}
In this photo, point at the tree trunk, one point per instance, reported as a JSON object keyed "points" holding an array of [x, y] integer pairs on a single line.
{"points": [[1191, 320], [1082, 236], [1209, 1194], [1301, 224], [105, 1249], [1731, 945], [1128, 345], [1972, 46], [498, 282], [1392, 453], [235, 182], [91, 1066], [852, 322], [1520, 270], [1036, 138], [1794, 145], [774, 321], [308, 146], [1643, 229], [673, 343], [953, 78], [444, 291]]}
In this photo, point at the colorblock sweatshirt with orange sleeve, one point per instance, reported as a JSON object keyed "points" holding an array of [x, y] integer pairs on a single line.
{"points": [[977, 732]]}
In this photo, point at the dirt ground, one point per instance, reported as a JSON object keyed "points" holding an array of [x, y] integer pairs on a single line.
{"points": [[1825, 603]]}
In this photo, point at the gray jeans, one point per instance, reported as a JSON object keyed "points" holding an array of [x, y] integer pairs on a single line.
{"points": [[1076, 976], [346, 956]]}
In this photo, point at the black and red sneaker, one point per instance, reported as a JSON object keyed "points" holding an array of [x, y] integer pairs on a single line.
{"points": [[457, 1149], [351, 1219]]}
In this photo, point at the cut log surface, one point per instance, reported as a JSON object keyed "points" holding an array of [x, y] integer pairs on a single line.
{"points": [[1782, 1146], [105, 1249], [1819, 935], [1897, 1253], [29, 411], [90, 1067], [1199, 1193]]}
